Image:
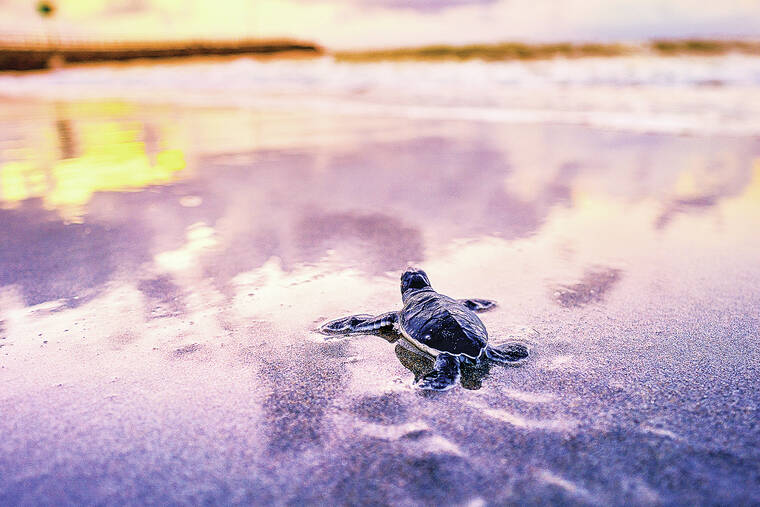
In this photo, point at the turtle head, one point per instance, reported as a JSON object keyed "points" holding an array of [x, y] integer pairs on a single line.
{"points": [[414, 279]]}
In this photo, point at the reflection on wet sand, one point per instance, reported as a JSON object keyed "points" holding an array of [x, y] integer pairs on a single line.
{"points": [[683, 205], [591, 288], [162, 319], [163, 295], [50, 260], [401, 244], [106, 156]]}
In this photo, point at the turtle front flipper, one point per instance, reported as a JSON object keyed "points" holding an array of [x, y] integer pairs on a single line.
{"points": [[363, 323], [509, 353], [478, 305], [444, 376]]}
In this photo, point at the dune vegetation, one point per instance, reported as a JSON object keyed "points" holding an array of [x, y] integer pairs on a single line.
{"points": [[524, 51], [40, 54]]}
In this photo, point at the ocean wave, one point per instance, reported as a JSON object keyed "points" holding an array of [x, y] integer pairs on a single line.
{"points": [[708, 95]]}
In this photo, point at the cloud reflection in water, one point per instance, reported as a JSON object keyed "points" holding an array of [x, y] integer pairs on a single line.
{"points": [[193, 323]]}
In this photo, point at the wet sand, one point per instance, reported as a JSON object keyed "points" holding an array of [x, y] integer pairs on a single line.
{"points": [[162, 271]]}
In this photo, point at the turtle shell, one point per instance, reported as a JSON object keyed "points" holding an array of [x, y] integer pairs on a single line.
{"points": [[442, 324]]}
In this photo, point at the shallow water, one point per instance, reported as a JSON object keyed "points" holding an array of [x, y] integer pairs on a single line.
{"points": [[163, 268], [715, 95]]}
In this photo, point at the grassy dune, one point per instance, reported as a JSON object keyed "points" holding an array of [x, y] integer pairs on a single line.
{"points": [[502, 51], [521, 51], [704, 47], [39, 56]]}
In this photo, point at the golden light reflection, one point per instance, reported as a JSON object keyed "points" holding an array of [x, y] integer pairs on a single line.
{"points": [[13, 180], [113, 158], [686, 185], [753, 189], [745, 208]]}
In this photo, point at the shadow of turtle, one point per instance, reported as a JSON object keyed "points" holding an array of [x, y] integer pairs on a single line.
{"points": [[421, 364]]}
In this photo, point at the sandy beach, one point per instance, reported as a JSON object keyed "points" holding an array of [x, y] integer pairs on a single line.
{"points": [[164, 265]]}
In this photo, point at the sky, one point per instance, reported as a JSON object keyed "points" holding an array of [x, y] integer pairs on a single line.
{"points": [[388, 23]]}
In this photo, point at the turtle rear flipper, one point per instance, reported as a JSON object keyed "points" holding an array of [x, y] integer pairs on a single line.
{"points": [[444, 376], [362, 323], [509, 353], [478, 305]]}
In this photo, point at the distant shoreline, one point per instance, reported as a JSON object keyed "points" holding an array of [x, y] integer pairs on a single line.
{"points": [[17, 57], [40, 56], [523, 51]]}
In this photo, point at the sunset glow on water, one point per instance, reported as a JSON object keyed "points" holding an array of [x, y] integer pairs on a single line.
{"points": [[165, 265]]}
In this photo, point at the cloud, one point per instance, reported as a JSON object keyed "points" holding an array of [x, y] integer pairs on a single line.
{"points": [[128, 6], [387, 23], [416, 5]]}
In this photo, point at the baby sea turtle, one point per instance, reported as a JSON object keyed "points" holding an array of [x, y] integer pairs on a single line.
{"points": [[446, 329]]}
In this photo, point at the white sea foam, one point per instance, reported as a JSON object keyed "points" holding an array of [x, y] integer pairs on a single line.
{"points": [[715, 95]]}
